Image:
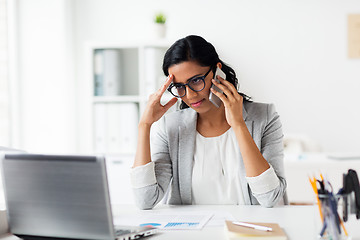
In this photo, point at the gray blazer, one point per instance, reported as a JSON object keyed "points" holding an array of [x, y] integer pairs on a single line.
{"points": [[172, 148]]}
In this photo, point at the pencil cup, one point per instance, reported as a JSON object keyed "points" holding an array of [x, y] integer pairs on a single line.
{"points": [[332, 225]]}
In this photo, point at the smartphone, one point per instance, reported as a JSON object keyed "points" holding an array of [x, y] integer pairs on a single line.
{"points": [[212, 97]]}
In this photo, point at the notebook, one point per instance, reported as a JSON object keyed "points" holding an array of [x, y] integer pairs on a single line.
{"points": [[235, 232], [61, 196]]}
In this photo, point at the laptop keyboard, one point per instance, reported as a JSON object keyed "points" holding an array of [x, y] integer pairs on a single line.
{"points": [[120, 232]]}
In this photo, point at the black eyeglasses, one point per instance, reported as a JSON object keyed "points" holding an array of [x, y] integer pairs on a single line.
{"points": [[196, 84]]}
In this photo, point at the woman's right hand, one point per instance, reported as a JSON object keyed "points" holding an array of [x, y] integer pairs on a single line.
{"points": [[154, 110]]}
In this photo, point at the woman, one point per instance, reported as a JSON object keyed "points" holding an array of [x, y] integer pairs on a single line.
{"points": [[232, 154]]}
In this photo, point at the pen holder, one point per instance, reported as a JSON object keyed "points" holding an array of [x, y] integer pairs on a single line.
{"points": [[332, 226]]}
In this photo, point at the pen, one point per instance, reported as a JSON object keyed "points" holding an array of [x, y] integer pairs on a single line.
{"points": [[313, 184], [258, 227]]}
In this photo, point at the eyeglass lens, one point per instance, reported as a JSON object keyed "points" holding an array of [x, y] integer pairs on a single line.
{"points": [[196, 84]]}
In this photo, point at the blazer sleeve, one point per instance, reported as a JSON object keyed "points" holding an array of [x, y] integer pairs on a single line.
{"points": [[147, 197], [273, 151]]}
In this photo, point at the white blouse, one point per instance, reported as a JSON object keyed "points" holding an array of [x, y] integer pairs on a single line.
{"points": [[215, 176]]}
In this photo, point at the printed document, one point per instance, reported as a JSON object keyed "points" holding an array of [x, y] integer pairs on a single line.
{"points": [[167, 221]]}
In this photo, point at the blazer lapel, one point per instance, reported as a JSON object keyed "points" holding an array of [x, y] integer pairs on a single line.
{"points": [[187, 133], [249, 124]]}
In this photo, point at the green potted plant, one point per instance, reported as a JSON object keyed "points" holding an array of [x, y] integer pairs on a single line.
{"points": [[160, 18], [160, 26]]}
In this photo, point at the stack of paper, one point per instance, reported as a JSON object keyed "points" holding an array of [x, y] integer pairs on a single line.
{"points": [[235, 232]]}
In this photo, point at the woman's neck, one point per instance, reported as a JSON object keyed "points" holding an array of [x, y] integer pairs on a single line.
{"points": [[212, 124]]}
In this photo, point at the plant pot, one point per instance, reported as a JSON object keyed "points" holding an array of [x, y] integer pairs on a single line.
{"points": [[159, 30]]}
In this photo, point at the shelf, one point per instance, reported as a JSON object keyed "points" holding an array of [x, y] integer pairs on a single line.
{"points": [[116, 99], [122, 75], [161, 43]]}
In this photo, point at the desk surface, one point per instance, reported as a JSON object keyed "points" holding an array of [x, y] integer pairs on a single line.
{"points": [[299, 222]]}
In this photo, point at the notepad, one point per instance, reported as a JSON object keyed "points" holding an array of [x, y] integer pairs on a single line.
{"points": [[235, 232]]}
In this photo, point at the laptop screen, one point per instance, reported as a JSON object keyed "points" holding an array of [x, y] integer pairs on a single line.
{"points": [[57, 196]]}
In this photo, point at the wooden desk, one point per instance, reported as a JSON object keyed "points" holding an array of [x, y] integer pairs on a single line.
{"points": [[299, 222]]}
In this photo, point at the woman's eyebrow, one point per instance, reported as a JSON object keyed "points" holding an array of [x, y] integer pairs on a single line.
{"points": [[197, 75]]}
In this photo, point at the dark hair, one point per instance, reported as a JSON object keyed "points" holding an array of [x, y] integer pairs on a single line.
{"points": [[197, 49]]}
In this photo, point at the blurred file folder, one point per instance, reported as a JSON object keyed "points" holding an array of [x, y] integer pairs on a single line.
{"points": [[115, 127], [107, 72], [154, 77]]}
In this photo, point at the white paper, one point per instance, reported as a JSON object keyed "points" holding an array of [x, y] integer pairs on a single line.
{"points": [[219, 218], [167, 221]]}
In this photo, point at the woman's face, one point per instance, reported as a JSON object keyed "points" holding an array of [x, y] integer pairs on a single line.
{"points": [[182, 72]]}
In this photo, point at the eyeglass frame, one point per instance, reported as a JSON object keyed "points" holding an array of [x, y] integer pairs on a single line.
{"points": [[187, 84]]}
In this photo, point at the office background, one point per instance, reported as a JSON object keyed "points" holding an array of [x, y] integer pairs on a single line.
{"points": [[291, 53]]}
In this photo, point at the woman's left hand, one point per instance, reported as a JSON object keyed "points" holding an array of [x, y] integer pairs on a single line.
{"points": [[232, 100]]}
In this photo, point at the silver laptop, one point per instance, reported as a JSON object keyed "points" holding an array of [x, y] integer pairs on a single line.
{"points": [[59, 196]]}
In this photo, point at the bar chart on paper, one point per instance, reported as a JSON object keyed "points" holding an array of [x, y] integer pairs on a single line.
{"points": [[166, 221], [181, 225]]}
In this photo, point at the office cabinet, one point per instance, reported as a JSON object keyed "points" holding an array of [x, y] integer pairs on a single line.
{"points": [[118, 174], [122, 76]]}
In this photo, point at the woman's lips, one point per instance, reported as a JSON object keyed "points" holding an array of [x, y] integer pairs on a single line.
{"points": [[197, 104]]}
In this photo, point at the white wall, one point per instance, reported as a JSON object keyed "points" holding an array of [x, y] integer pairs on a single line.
{"points": [[4, 84], [291, 53], [45, 75]]}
